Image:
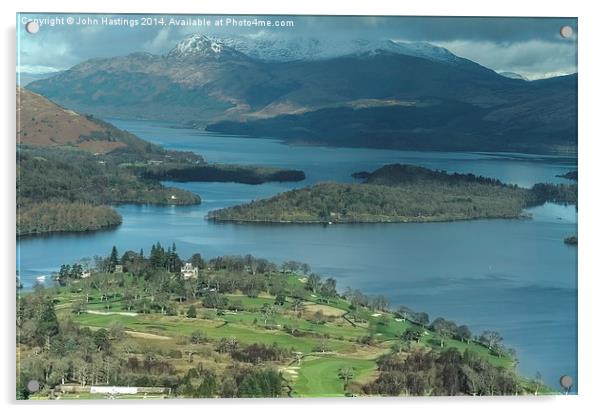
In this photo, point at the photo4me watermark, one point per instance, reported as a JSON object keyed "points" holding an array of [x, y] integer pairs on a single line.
{"points": [[161, 21]]}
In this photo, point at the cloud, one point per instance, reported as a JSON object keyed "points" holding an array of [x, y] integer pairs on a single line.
{"points": [[37, 70], [533, 59], [160, 42], [36, 56], [529, 46]]}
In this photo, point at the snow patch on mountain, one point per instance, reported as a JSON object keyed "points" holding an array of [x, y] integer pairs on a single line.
{"points": [[198, 45], [512, 75], [282, 49]]}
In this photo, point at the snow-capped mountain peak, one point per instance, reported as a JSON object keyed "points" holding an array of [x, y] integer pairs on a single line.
{"points": [[283, 49], [198, 45]]}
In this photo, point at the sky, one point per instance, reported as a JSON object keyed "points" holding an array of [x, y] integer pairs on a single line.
{"points": [[531, 47]]}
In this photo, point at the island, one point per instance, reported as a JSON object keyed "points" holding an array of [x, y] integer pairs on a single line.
{"points": [[399, 193], [393, 193], [241, 326], [572, 240], [571, 175], [244, 174]]}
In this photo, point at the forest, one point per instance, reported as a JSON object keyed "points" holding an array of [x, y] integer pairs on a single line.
{"points": [[252, 175], [244, 327], [44, 217], [62, 189], [399, 193], [566, 194]]}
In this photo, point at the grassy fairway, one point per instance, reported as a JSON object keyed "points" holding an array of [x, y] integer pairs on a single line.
{"points": [[323, 332], [213, 329], [319, 377]]}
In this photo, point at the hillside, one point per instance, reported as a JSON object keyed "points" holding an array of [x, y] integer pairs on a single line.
{"points": [[41, 122], [244, 327], [363, 98], [394, 193], [524, 117]]}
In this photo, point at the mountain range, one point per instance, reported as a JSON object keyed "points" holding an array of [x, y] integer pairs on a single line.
{"points": [[382, 94]]}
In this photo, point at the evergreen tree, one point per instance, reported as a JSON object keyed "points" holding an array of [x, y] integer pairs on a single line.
{"points": [[191, 313], [48, 325], [113, 259]]}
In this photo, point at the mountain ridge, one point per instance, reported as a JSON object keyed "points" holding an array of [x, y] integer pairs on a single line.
{"points": [[206, 82]]}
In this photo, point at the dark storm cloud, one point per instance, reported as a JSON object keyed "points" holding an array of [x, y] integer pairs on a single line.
{"points": [[495, 29], [531, 46]]}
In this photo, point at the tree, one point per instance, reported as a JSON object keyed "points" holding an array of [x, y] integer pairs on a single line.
{"points": [[280, 299], [229, 388], [498, 349], [490, 338], [421, 318], [305, 268], [60, 371], [464, 333], [329, 288], [268, 311], [379, 302], [215, 300], [63, 275], [198, 337], [298, 306], [412, 334], [345, 374], [227, 345], [48, 325], [116, 331], [398, 348], [474, 380], [538, 382], [449, 365], [80, 306], [197, 261], [113, 259], [444, 328], [313, 282], [261, 383], [191, 313], [318, 317], [208, 386], [322, 346], [102, 340], [76, 271], [81, 370]]}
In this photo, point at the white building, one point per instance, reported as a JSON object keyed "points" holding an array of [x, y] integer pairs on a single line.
{"points": [[188, 271]]}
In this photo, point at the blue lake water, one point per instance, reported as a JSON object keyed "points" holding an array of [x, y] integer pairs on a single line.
{"points": [[514, 276]]}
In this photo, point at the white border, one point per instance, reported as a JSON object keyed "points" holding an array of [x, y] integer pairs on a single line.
{"points": [[590, 72]]}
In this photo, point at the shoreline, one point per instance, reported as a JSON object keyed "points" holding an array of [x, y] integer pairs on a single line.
{"points": [[432, 221]]}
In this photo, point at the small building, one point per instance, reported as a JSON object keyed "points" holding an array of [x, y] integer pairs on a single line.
{"points": [[86, 274], [189, 271], [118, 269]]}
